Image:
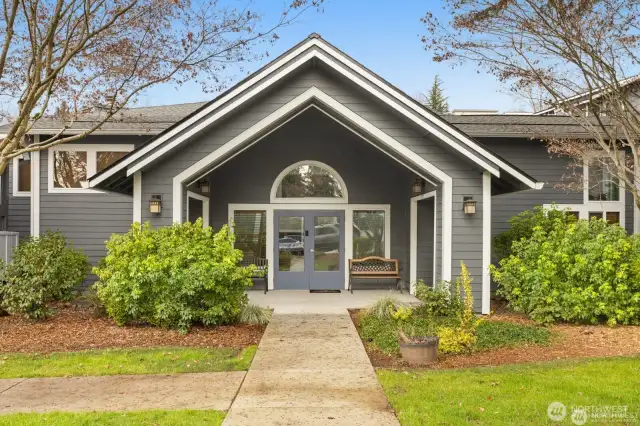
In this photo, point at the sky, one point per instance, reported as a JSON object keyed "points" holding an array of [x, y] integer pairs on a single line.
{"points": [[383, 35]]}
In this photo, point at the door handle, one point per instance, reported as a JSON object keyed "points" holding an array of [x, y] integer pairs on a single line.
{"points": [[306, 233]]}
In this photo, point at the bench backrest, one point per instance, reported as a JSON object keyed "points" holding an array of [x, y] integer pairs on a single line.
{"points": [[373, 265], [260, 262]]}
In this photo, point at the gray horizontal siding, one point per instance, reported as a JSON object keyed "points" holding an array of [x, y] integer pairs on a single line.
{"points": [[88, 220], [533, 157], [18, 209], [467, 177]]}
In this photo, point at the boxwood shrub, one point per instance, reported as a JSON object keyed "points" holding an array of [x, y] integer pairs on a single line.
{"points": [[42, 269], [173, 276], [582, 272]]}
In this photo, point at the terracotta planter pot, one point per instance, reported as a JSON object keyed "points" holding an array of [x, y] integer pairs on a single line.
{"points": [[420, 353]]}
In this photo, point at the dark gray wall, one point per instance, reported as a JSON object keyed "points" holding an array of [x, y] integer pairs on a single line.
{"points": [[425, 241], [87, 219], [371, 177], [467, 177]]}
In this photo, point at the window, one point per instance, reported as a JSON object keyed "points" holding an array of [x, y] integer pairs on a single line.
{"points": [[71, 165], [613, 218], [250, 229], [602, 185], [69, 169], [311, 181], [368, 233], [21, 177]]}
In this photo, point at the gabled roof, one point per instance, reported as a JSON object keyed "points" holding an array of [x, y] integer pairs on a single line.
{"points": [[314, 48], [582, 98]]}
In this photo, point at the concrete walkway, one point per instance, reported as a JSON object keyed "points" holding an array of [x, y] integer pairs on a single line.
{"points": [[212, 391], [311, 370], [304, 302]]}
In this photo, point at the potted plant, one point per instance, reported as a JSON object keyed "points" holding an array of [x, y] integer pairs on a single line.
{"points": [[418, 350]]}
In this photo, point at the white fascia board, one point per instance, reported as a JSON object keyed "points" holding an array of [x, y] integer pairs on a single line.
{"points": [[420, 121], [312, 94], [206, 111], [404, 99], [282, 73]]}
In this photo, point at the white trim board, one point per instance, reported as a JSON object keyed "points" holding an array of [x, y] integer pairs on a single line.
{"points": [[413, 237], [486, 242], [425, 124], [137, 197], [205, 206], [346, 126], [348, 227], [92, 153], [336, 60], [35, 190], [312, 94]]}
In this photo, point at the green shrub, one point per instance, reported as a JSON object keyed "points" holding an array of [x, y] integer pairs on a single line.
{"points": [[254, 314], [384, 307], [583, 272], [173, 276], [495, 334], [441, 301], [462, 336], [43, 269], [521, 226]]}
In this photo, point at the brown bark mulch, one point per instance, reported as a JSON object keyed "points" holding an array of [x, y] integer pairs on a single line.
{"points": [[75, 328], [569, 342]]}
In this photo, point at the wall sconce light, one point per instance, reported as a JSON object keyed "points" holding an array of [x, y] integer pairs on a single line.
{"points": [[204, 186], [155, 204], [469, 205], [26, 156], [418, 187]]}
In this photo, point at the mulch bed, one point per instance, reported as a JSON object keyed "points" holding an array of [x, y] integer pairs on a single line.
{"points": [[75, 328], [571, 341]]}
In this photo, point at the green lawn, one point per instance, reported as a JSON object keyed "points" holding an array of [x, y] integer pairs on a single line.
{"points": [[507, 395], [125, 361], [129, 418]]}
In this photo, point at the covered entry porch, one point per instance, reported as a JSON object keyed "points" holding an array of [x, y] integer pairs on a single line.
{"points": [[313, 194]]}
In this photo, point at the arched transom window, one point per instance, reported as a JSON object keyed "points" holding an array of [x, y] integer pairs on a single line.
{"points": [[311, 182]]}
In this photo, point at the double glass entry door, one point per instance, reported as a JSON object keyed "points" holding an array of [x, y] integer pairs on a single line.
{"points": [[309, 249]]}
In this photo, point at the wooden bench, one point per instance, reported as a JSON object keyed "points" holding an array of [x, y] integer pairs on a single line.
{"points": [[262, 268], [374, 267]]}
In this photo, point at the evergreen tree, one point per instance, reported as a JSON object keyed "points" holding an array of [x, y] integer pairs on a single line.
{"points": [[435, 99]]}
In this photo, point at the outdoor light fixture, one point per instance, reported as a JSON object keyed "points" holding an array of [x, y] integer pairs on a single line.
{"points": [[418, 187], [204, 186], [26, 156], [469, 205], [155, 204]]}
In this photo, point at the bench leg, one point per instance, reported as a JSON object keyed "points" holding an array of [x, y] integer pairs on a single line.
{"points": [[399, 284], [350, 285], [266, 284]]}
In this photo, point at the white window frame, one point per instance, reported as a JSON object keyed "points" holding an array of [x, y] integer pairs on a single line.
{"points": [[348, 227], [92, 160], [14, 171], [309, 200], [585, 179], [588, 206]]}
